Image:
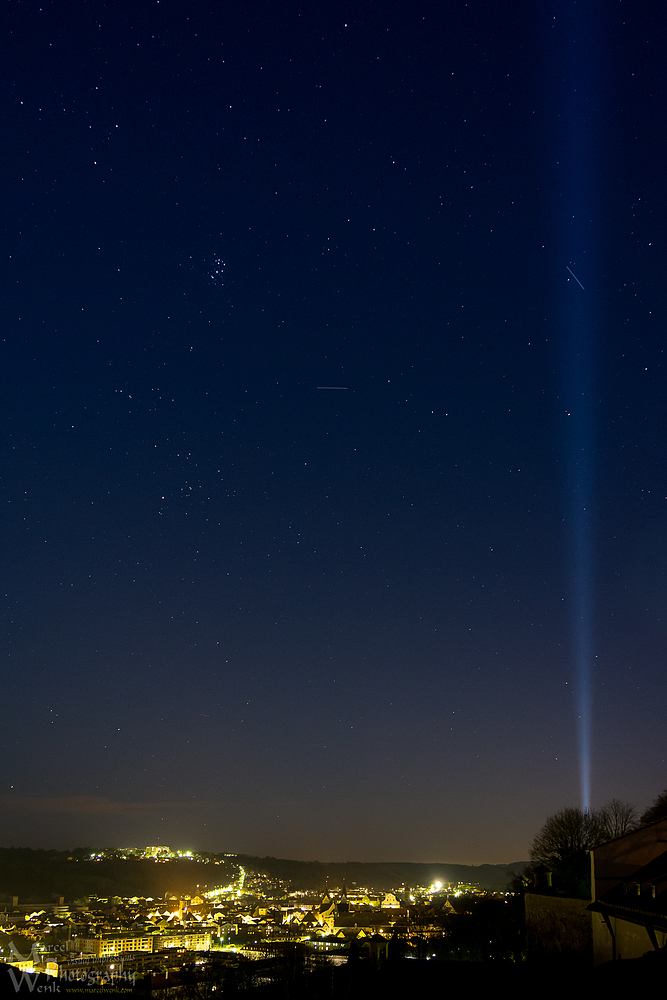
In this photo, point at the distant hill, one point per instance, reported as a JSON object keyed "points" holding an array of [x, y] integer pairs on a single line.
{"points": [[42, 876], [379, 875], [36, 876]]}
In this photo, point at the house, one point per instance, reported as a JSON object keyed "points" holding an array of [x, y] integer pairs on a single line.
{"points": [[629, 907]]}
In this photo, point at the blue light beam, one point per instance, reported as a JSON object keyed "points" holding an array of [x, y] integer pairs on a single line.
{"points": [[574, 43], [580, 545]]}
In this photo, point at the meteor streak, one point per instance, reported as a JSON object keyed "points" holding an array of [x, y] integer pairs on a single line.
{"points": [[576, 278]]}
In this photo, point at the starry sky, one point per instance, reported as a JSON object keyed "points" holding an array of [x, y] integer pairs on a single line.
{"points": [[244, 610]]}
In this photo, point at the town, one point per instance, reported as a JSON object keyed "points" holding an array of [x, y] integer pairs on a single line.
{"points": [[236, 923]]}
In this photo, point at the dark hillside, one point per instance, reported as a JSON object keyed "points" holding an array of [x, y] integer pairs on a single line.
{"points": [[380, 876], [39, 875], [36, 876]]}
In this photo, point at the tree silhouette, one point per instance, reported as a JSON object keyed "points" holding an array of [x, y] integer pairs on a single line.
{"points": [[565, 837], [618, 818], [562, 846], [657, 811]]}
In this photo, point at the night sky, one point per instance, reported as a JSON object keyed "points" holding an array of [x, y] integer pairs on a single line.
{"points": [[246, 611]]}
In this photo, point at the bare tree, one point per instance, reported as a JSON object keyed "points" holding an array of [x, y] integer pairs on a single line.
{"points": [[618, 818], [566, 838], [562, 846]]}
